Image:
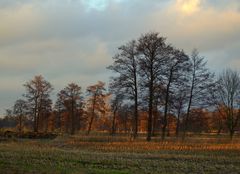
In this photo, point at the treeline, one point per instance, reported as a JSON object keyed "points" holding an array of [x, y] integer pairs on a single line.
{"points": [[156, 88], [69, 114]]}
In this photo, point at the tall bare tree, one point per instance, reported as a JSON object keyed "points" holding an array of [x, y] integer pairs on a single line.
{"points": [[71, 98], [152, 57], [116, 104], [38, 92], [126, 66], [228, 95], [200, 79], [96, 101], [176, 66], [219, 107], [179, 103]]}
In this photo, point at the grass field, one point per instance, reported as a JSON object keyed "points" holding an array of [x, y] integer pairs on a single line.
{"points": [[104, 154]]}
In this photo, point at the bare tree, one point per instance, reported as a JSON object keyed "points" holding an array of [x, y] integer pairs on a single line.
{"points": [[152, 58], [219, 107], [126, 65], [176, 66], [38, 92], [179, 103], [71, 98], [228, 92], [116, 104], [20, 110], [201, 79], [96, 101]]}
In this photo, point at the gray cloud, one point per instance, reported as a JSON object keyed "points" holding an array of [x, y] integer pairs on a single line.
{"points": [[74, 40]]}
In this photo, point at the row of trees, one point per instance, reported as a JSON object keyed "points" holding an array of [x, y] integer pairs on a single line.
{"points": [[152, 77], [171, 82], [68, 111]]}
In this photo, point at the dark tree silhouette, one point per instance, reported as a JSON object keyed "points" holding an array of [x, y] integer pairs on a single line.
{"points": [[176, 65], [96, 101], [152, 58], [201, 80], [20, 111], [126, 66], [116, 104], [179, 103], [228, 95], [71, 98], [59, 109], [38, 92]]}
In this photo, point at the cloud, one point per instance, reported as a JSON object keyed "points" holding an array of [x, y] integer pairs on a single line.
{"points": [[74, 40], [18, 23], [188, 7], [202, 27]]}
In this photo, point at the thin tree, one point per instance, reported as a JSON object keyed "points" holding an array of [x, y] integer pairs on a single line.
{"points": [[179, 103], [96, 101], [126, 66], [200, 79], [20, 110], [176, 66], [116, 104]]}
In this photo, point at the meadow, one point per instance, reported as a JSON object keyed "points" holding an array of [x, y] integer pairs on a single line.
{"points": [[80, 154]]}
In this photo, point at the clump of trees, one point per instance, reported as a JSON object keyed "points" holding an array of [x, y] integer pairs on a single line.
{"points": [[71, 101], [155, 89], [38, 100], [172, 83]]}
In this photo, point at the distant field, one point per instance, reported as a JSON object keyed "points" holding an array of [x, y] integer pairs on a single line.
{"points": [[106, 155]]}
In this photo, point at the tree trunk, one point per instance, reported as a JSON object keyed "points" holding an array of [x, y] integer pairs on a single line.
{"points": [[125, 124], [178, 122], [72, 118], [189, 107], [219, 130], [92, 116], [113, 123], [136, 117], [168, 128], [35, 119], [165, 120], [187, 118], [20, 125], [232, 133], [46, 122], [154, 122], [150, 108], [135, 134]]}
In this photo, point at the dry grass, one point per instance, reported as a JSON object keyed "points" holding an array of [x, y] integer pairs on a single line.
{"points": [[104, 154], [124, 144]]}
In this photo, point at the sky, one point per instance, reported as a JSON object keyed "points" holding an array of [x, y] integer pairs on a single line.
{"points": [[74, 40]]}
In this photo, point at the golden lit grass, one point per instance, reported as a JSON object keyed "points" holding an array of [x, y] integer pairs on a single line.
{"points": [[104, 154], [140, 145], [152, 146]]}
